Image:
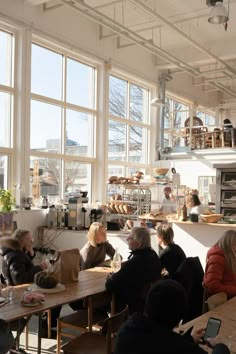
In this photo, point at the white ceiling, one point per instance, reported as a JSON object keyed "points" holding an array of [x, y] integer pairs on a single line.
{"points": [[175, 31]]}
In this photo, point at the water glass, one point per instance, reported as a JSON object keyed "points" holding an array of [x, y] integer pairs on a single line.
{"points": [[9, 292]]}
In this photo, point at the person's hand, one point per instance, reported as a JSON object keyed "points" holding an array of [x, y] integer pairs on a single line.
{"points": [[43, 265], [198, 334], [214, 341], [31, 251]]}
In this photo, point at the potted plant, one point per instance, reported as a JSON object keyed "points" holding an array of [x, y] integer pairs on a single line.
{"points": [[7, 200]]}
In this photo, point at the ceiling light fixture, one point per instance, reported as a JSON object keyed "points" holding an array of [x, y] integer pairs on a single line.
{"points": [[218, 14], [158, 102]]}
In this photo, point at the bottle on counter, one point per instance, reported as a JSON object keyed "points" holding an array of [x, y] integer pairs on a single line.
{"points": [[184, 215], [44, 203]]}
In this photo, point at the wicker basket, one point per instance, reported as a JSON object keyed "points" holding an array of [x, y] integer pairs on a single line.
{"points": [[212, 218], [160, 171]]}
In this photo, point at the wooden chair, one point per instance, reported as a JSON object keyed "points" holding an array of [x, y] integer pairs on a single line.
{"points": [[194, 136], [98, 342], [85, 319], [49, 320]]}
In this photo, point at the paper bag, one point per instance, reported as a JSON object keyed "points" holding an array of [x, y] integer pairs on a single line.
{"points": [[67, 265]]}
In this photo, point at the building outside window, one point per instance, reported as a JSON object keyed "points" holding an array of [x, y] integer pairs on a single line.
{"points": [[6, 105], [128, 127], [62, 123]]}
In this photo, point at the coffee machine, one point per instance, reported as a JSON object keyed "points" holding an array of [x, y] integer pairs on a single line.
{"points": [[77, 211]]}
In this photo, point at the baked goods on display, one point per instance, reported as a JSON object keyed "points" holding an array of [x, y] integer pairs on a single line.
{"points": [[158, 216]]}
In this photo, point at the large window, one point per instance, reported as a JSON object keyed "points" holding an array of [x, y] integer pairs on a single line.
{"points": [[63, 119], [6, 105], [129, 126], [178, 120]]}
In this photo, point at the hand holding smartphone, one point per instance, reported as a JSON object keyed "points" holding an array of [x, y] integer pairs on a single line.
{"points": [[213, 327]]}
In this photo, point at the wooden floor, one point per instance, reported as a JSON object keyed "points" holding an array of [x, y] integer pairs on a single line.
{"points": [[48, 345]]}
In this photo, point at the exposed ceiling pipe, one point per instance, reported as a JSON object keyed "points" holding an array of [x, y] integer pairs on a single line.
{"points": [[87, 11], [151, 12], [107, 22]]}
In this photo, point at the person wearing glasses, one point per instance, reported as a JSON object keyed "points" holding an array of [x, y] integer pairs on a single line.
{"points": [[131, 283]]}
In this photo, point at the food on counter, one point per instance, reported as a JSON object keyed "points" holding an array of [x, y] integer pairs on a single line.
{"points": [[211, 218], [158, 216]]}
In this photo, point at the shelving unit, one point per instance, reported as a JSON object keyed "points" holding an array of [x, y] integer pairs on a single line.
{"points": [[226, 190], [130, 200]]}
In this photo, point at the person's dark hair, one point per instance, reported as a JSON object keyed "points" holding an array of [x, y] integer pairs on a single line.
{"points": [[196, 200], [166, 303], [166, 232]]}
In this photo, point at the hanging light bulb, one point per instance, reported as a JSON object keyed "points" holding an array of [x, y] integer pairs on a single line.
{"points": [[218, 14]]}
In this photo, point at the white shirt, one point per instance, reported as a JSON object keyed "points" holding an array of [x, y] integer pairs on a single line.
{"points": [[168, 206]]}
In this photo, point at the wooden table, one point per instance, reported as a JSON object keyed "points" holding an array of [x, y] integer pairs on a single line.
{"points": [[91, 281], [227, 314]]}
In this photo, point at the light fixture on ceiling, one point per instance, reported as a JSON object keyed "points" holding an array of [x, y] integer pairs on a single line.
{"points": [[158, 102], [218, 14]]}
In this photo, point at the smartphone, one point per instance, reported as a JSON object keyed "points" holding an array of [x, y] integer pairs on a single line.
{"points": [[213, 327]]}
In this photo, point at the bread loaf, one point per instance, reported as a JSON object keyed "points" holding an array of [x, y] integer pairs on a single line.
{"points": [[45, 280]]}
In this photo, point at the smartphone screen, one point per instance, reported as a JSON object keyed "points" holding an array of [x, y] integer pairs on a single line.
{"points": [[213, 327]]}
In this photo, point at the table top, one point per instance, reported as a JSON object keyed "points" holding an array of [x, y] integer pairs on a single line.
{"points": [[91, 281], [227, 314]]}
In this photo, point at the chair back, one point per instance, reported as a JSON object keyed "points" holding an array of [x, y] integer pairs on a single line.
{"points": [[190, 275], [216, 300], [111, 326]]}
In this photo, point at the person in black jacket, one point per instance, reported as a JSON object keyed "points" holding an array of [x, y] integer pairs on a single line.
{"points": [[153, 331], [17, 253], [142, 268], [171, 255]]}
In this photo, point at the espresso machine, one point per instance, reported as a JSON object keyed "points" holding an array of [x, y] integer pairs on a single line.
{"points": [[77, 211]]}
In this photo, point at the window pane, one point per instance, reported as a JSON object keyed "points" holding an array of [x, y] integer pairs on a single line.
{"points": [[5, 119], [137, 144], [6, 58], [116, 141], [4, 163], [138, 104], [210, 120], [46, 72], [44, 177], [80, 84], [45, 132], [118, 97], [79, 133], [77, 177]]}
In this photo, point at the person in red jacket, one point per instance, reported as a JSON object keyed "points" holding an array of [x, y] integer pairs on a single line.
{"points": [[220, 273]]}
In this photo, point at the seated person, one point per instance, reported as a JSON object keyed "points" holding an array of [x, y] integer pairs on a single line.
{"points": [[168, 203], [227, 125], [220, 272], [142, 268], [17, 253], [153, 331], [171, 255], [97, 248]]}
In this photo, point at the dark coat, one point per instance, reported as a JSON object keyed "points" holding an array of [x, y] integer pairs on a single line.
{"points": [[17, 266], [171, 258], [132, 281], [190, 275], [140, 336]]}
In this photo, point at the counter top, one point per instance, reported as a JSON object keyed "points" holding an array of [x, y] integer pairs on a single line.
{"points": [[203, 223]]}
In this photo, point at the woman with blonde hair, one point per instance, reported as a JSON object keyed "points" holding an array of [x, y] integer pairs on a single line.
{"points": [[17, 253], [97, 248], [220, 273], [171, 255]]}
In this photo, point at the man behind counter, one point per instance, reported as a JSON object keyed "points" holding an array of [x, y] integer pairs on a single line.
{"points": [[168, 203]]}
